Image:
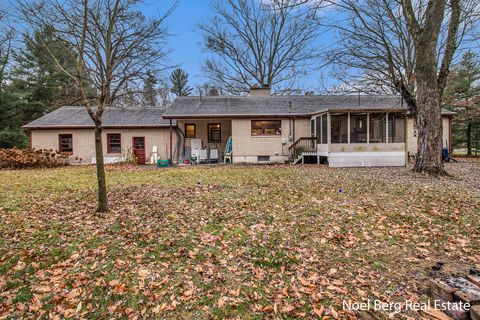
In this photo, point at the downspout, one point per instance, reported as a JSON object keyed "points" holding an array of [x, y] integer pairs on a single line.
{"points": [[406, 134], [294, 129], [171, 143]]}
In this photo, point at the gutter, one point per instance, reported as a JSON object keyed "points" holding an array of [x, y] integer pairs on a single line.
{"points": [[282, 115], [71, 127]]}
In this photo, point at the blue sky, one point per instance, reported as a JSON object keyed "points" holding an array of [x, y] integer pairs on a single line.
{"points": [[186, 39]]}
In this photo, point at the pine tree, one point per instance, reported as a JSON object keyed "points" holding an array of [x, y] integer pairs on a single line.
{"points": [[462, 95], [179, 80], [35, 85], [150, 91], [38, 80]]}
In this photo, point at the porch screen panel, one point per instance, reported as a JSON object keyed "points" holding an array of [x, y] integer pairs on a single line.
{"points": [[318, 132], [339, 130], [378, 127], [324, 129], [396, 127], [358, 128]]}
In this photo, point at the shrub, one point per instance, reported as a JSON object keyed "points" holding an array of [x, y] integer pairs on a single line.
{"points": [[31, 158], [13, 138]]}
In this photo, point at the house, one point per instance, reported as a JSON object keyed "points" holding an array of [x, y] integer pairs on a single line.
{"points": [[125, 130], [346, 131]]}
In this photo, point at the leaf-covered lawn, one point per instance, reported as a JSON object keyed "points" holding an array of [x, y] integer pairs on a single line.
{"points": [[252, 242]]}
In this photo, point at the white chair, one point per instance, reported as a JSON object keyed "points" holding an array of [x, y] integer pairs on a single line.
{"points": [[203, 157], [214, 155]]}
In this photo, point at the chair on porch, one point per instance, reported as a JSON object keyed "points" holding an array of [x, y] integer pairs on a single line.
{"points": [[213, 155], [203, 157], [228, 151]]}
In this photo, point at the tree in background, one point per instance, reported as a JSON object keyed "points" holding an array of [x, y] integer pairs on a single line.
{"points": [[259, 43], [179, 81], [7, 34], [38, 79], [462, 95], [208, 89], [115, 45], [150, 91], [407, 47]]}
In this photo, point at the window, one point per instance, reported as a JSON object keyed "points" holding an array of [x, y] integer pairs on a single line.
{"points": [[65, 143], [396, 127], [114, 143], [324, 129], [190, 130], [378, 127], [214, 133], [339, 131], [263, 158], [312, 127], [358, 128], [266, 127]]}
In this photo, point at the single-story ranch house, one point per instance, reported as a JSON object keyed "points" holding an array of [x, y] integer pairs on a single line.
{"points": [[346, 131]]}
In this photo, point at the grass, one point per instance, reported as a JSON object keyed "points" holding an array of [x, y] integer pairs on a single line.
{"points": [[245, 242]]}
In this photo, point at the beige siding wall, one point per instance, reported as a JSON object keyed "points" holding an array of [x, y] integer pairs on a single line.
{"points": [[246, 148], [412, 134], [202, 132], [83, 141]]}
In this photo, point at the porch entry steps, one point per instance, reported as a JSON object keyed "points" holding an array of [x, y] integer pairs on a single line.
{"points": [[305, 146]]}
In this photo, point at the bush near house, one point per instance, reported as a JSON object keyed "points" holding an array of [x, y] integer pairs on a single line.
{"points": [[31, 158]]}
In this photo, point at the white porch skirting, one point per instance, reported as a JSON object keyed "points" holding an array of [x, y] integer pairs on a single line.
{"points": [[367, 159], [254, 159]]}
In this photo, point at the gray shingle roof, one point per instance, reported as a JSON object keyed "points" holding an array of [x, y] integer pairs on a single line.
{"points": [[78, 117], [277, 105]]}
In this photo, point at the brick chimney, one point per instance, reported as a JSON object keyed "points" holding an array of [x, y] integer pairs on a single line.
{"points": [[263, 91]]}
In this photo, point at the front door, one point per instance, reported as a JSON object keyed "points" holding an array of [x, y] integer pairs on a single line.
{"points": [[139, 149]]}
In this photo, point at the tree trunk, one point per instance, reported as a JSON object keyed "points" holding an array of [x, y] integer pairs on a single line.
{"points": [[469, 139], [429, 120], [102, 184]]}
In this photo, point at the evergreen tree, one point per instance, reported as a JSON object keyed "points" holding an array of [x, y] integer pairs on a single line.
{"points": [[35, 85], [179, 80], [462, 95], [150, 91], [38, 81]]}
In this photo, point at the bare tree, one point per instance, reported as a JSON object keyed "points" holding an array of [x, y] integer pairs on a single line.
{"points": [[259, 42], [431, 71], [115, 46], [383, 44], [7, 34]]}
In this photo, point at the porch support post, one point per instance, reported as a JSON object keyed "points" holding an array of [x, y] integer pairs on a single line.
{"points": [[171, 143], [450, 148]]}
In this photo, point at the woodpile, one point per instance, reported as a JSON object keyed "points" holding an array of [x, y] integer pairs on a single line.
{"points": [[31, 158]]}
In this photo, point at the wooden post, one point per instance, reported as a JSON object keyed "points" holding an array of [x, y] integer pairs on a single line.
{"points": [[171, 143], [450, 148]]}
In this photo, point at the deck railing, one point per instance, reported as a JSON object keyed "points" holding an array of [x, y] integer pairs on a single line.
{"points": [[304, 144]]}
